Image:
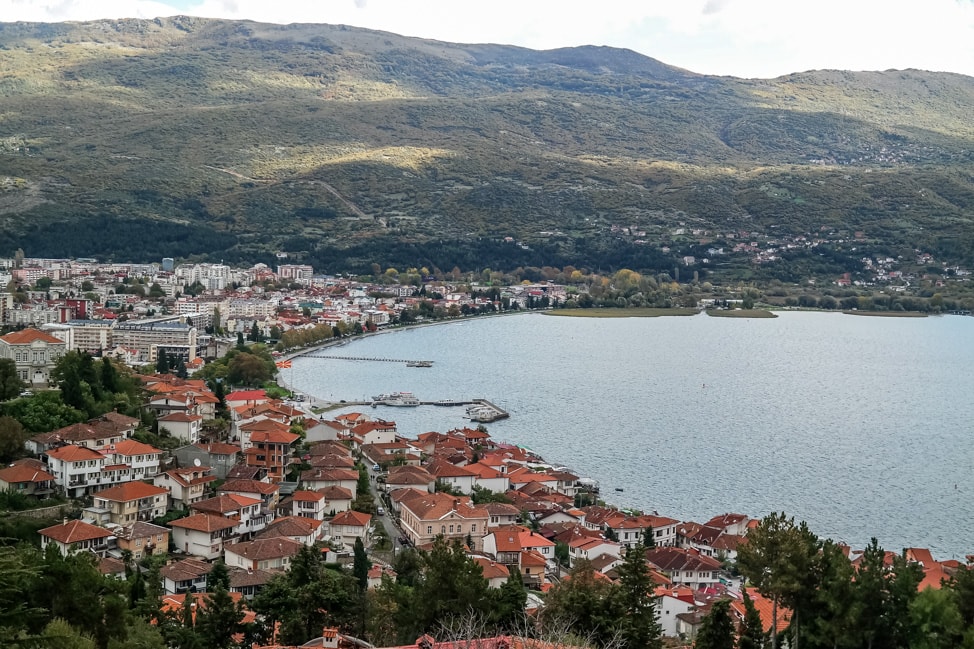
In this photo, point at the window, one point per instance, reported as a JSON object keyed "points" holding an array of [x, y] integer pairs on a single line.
{"points": [[451, 529], [429, 529], [443, 529], [138, 543], [473, 527]]}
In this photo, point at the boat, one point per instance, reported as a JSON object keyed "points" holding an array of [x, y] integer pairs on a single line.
{"points": [[399, 399], [619, 489], [419, 363], [448, 402]]}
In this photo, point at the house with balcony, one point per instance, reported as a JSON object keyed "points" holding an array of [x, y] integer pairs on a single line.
{"points": [[337, 499], [77, 536], [247, 513], [142, 459], [188, 575], [203, 535], [143, 539], [316, 479], [270, 450], [185, 486], [309, 504], [684, 566], [132, 501], [78, 470], [34, 353], [267, 492]]}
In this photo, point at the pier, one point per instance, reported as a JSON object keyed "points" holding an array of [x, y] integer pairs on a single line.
{"points": [[410, 363]]}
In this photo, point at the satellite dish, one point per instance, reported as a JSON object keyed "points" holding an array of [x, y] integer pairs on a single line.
{"points": [[196, 462]]}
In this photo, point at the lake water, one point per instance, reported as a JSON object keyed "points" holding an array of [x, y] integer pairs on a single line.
{"points": [[861, 426]]}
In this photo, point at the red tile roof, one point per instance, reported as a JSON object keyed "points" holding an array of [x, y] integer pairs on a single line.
{"points": [[204, 523], [74, 532], [351, 518], [27, 336], [128, 491], [20, 473]]}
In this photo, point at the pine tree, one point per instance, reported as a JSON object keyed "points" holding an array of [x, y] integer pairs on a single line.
{"points": [[640, 626], [219, 620], [162, 362], [752, 630], [717, 629], [361, 565]]}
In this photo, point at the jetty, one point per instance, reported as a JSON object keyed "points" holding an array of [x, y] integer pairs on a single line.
{"points": [[375, 359]]}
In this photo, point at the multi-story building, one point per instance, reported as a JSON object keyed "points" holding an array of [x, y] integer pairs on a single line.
{"points": [[35, 354], [147, 336], [132, 501], [92, 336], [300, 273]]}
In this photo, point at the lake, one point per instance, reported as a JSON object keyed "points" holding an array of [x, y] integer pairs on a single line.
{"points": [[861, 426]]}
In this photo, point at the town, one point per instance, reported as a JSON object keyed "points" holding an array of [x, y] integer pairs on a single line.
{"points": [[175, 481]]}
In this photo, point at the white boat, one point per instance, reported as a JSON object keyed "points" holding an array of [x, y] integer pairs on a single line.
{"points": [[400, 399]]}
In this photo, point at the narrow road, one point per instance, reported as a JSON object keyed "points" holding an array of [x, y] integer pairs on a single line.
{"points": [[388, 519]]}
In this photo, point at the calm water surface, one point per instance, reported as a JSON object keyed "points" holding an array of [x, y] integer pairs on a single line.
{"points": [[861, 426]]}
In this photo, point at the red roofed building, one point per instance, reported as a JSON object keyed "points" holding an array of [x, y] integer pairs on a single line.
{"points": [[270, 450], [202, 534], [77, 536], [26, 480], [425, 516], [349, 525], [132, 501], [245, 398], [34, 352], [185, 486]]}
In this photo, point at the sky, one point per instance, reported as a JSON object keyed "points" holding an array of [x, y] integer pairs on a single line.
{"points": [[743, 38]]}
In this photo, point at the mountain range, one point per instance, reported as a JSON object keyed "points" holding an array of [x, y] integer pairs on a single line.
{"points": [[345, 147]]}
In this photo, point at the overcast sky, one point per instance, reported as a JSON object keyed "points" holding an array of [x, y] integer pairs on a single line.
{"points": [[745, 38]]}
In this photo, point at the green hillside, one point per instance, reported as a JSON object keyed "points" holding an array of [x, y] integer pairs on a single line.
{"points": [[341, 146]]}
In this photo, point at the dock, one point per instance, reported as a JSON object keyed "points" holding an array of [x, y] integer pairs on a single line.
{"points": [[375, 359], [483, 411]]}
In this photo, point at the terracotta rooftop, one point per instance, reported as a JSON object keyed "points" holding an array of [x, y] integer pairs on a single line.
{"points": [[75, 532]]}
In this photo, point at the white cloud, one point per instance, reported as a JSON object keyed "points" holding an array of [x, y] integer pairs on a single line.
{"points": [[740, 37]]}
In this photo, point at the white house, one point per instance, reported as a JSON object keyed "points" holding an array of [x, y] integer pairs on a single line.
{"points": [[202, 535], [182, 425], [77, 536], [349, 525]]}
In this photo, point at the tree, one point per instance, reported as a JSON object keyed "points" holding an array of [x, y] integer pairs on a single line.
{"points": [[649, 539], [162, 362], [752, 634], [44, 412], [109, 376], [589, 605], [777, 559], [219, 620], [639, 625], [361, 565], [12, 438], [219, 577], [717, 629], [10, 383], [240, 340]]}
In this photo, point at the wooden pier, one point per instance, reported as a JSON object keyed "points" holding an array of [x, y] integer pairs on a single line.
{"points": [[411, 363]]}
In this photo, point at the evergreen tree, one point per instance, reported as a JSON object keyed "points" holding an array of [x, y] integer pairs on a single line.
{"points": [[240, 340], [181, 370], [162, 362], [219, 576], [361, 565], [511, 599], [640, 626], [649, 540], [109, 376], [137, 589], [219, 620], [589, 605], [717, 629], [752, 634]]}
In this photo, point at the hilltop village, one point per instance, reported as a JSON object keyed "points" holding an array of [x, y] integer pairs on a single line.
{"points": [[199, 480]]}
